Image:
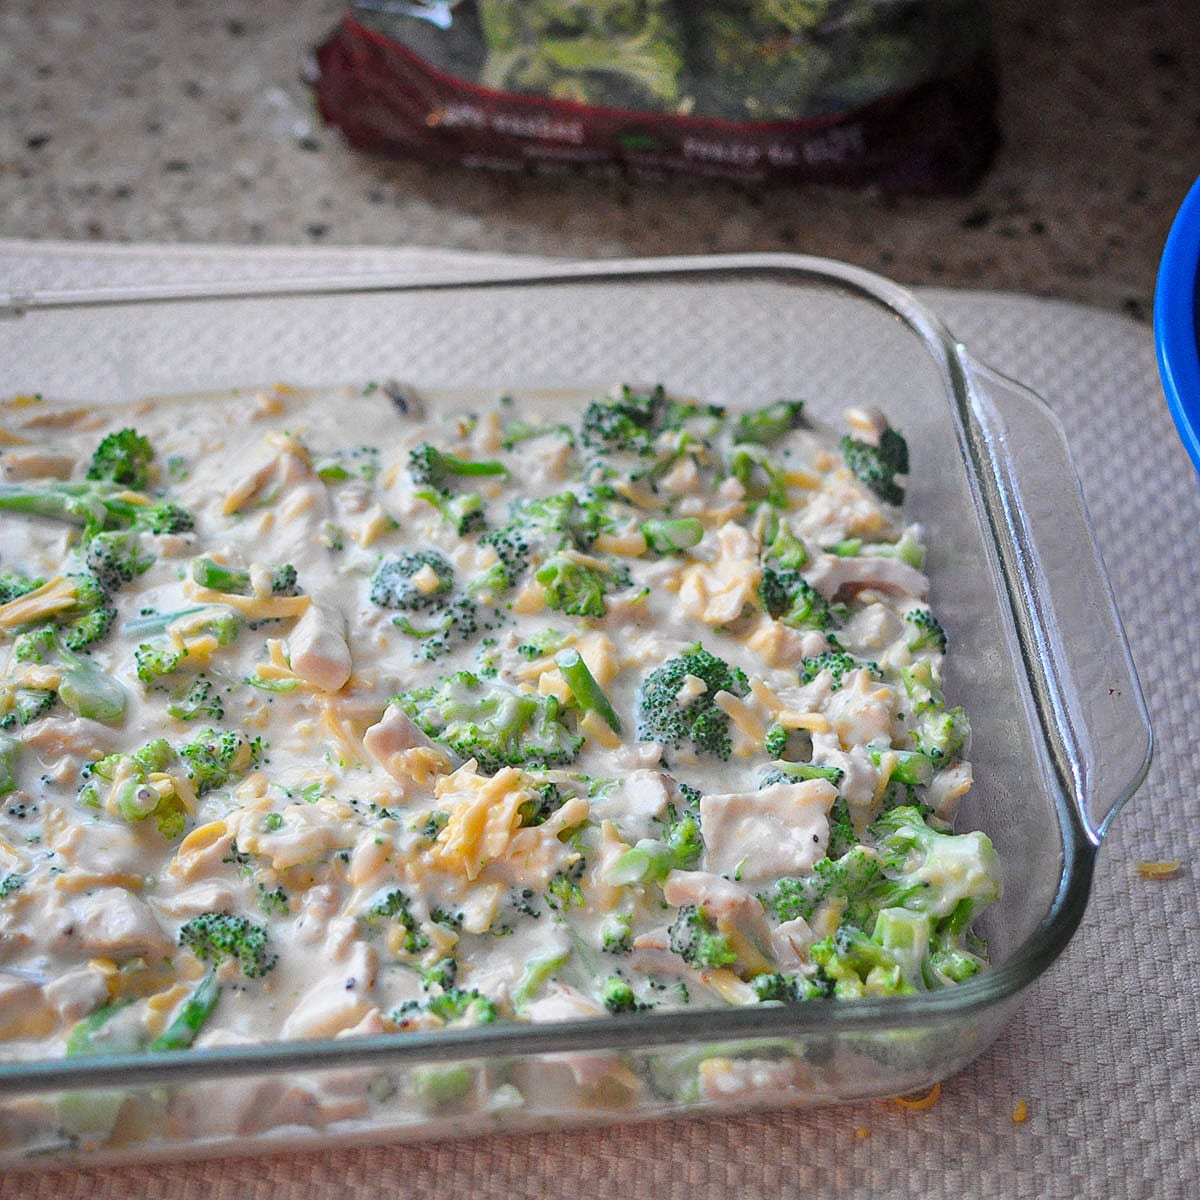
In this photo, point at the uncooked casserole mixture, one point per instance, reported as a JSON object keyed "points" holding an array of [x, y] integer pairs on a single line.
{"points": [[343, 712]]}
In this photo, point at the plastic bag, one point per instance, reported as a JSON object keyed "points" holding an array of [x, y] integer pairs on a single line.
{"points": [[898, 94]]}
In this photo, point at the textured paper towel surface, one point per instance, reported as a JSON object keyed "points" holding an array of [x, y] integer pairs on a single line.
{"points": [[1105, 1052]]}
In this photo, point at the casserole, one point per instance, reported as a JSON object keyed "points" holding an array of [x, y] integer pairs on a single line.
{"points": [[1061, 735]]}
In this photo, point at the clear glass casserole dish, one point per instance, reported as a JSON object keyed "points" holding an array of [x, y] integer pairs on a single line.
{"points": [[1061, 740]]}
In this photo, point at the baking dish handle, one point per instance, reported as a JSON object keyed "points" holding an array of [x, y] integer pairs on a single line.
{"points": [[1072, 642]]}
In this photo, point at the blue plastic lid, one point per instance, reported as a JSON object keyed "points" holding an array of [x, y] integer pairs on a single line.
{"points": [[1177, 321]]}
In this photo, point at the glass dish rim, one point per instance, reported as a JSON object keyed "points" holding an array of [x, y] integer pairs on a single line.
{"points": [[1001, 983]]}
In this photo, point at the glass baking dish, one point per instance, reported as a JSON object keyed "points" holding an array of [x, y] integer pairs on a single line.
{"points": [[1061, 738]]}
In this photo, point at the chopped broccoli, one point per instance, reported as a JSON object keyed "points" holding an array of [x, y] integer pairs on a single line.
{"points": [[13, 584], [936, 730], [878, 466], [134, 790], [421, 579], [539, 528], [927, 631], [851, 881], [563, 891], [857, 965], [572, 587], [95, 506], [493, 723], [83, 687], [616, 934], [758, 472], [538, 811], [456, 1006], [789, 772], [218, 937], [618, 996], [10, 750], [164, 657], [457, 623], [910, 767], [236, 581], [123, 457], [517, 431], [698, 721], [776, 987], [200, 701], [431, 467], [783, 547], [837, 662], [115, 558], [587, 693], [672, 535], [214, 757], [630, 421], [788, 597], [770, 423], [462, 511], [395, 908], [188, 1022], [697, 941]]}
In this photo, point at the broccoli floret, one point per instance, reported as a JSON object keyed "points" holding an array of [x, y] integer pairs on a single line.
{"points": [[672, 535], [517, 431], [164, 657], [616, 934], [790, 772], [236, 580], [10, 751], [698, 721], [769, 424], [758, 472], [627, 421], [82, 686], [200, 701], [493, 723], [422, 579], [776, 987], [457, 623], [116, 558], [459, 1007], [788, 597], [927, 632], [13, 584], [21, 706], [123, 457], [537, 529], [878, 466], [572, 587], [435, 471], [95, 506], [131, 794], [563, 892], [538, 811], [776, 740], [936, 730], [75, 607], [850, 881], [837, 662], [910, 767], [431, 467], [218, 937], [619, 997], [857, 965], [697, 941], [783, 547], [395, 908], [216, 756]]}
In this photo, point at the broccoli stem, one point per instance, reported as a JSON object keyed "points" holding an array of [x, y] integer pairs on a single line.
{"points": [[197, 1008], [672, 534], [10, 750], [589, 695]]}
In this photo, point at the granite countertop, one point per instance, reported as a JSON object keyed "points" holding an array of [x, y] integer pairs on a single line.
{"points": [[188, 122]]}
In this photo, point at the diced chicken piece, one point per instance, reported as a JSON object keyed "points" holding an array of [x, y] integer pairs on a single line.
{"points": [[338, 1000], [717, 593], [104, 849], [781, 830], [76, 993], [836, 577], [114, 923], [388, 739], [210, 895], [861, 710], [72, 741], [843, 508], [867, 423], [948, 788], [18, 465], [860, 776], [637, 800], [317, 647], [562, 1003], [871, 628], [779, 645], [682, 478], [763, 1081], [791, 941]]}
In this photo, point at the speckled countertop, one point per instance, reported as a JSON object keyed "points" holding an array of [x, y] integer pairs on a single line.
{"points": [[186, 121]]}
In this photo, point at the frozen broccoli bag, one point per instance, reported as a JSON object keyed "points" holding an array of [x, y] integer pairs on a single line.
{"points": [[898, 94]]}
